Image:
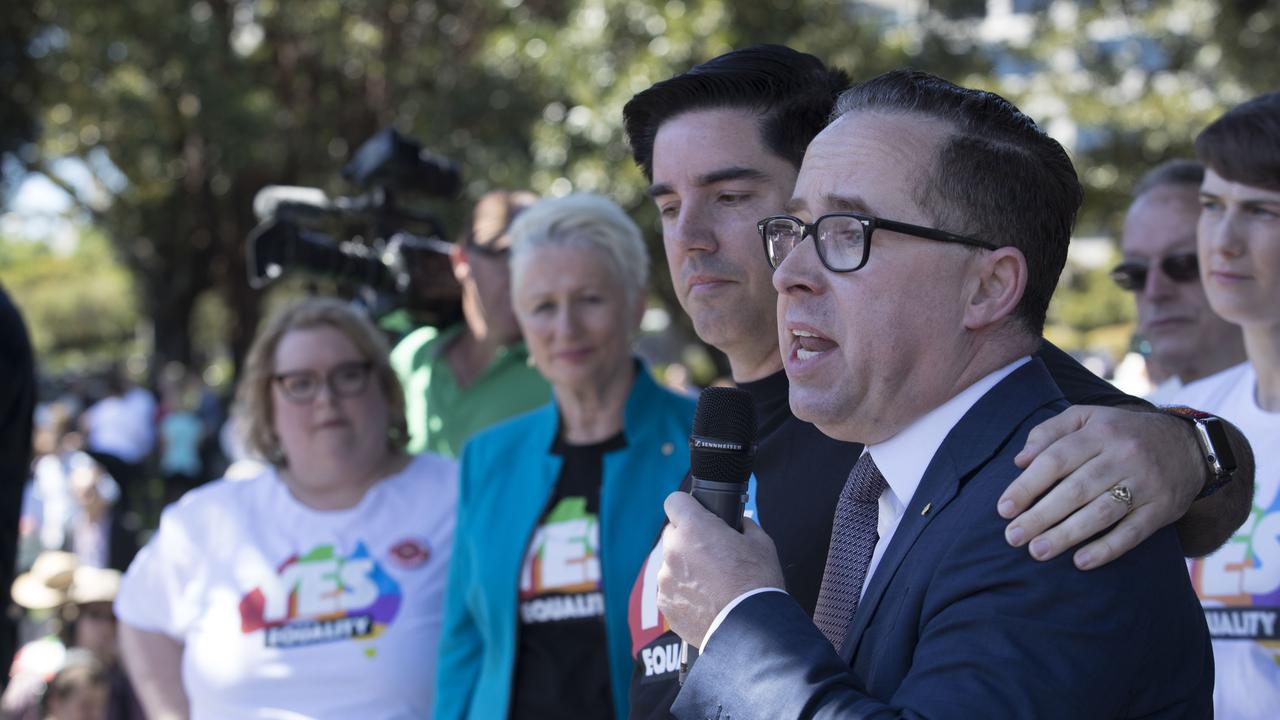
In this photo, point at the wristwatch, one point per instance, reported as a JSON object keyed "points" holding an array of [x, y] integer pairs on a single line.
{"points": [[1213, 442]]}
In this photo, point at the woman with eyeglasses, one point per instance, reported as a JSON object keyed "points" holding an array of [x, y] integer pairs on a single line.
{"points": [[314, 589]]}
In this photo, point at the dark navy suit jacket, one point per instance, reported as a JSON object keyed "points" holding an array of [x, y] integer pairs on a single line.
{"points": [[955, 623]]}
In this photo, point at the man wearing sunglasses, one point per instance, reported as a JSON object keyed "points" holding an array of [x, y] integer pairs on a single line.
{"points": [[461, 379], [1188, 339], [914, 266]]}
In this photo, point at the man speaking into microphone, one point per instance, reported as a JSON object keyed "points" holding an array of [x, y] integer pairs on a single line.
{"points": [[914, 268]]}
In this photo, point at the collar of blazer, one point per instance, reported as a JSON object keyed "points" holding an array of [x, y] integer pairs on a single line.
{"points": [[982, 433]]}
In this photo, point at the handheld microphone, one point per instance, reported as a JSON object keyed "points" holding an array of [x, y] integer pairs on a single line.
{"points": [[722, 448]]}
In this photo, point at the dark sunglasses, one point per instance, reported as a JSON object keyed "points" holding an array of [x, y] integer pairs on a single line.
{"points": [[1180, 268]]}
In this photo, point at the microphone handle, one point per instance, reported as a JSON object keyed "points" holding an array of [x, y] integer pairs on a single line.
{"points": [[726, 501]]}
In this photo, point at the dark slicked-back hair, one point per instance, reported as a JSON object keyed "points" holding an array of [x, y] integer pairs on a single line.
{"points": [[792, 92], [997, 176], [1172, 173], [1244, 145]]}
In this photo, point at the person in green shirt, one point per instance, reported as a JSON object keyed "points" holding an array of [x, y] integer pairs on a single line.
{"points": [[463, 378]]}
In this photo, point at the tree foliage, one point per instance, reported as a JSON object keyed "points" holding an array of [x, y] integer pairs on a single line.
{"points": [[184, 110], [1139, 79], [18, 85], [1130, 83], [86, 324]]}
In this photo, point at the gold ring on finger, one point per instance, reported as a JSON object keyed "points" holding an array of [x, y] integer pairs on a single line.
{"points": [[1121, 494]]}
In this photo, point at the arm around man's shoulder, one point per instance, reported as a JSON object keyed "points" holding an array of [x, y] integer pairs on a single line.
{"points": [[1005, 636], [970, 627]]}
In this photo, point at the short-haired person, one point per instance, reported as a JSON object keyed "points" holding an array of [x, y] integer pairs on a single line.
{"points": [[314, 588], [560, 506], [1239, 245], [1188, 339], [722, 144], [927, 231], [464, 378]]}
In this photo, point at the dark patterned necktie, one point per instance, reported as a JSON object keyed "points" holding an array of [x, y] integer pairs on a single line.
{"points": [[853, 538]]}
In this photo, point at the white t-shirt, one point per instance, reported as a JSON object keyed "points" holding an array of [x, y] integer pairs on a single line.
{"points": [[289, 612], [1166, 392], [1239, 584]]}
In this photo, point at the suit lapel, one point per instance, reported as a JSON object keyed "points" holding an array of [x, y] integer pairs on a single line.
{"points": [[979, 435]]}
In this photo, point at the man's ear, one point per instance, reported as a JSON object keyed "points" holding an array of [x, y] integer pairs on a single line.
{"points": [[998, 283], [460, 262]]}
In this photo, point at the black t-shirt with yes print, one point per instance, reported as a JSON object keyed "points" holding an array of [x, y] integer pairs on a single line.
{"points": [[562, 659]]}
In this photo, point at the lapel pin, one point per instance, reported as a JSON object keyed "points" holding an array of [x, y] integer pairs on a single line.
{"points": [[927, 508]]}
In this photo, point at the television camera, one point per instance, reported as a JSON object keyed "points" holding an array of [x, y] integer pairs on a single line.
{"points": [[390, 256]]}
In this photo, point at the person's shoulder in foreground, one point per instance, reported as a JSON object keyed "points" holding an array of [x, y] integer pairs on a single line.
{"points": [[17, 403]]}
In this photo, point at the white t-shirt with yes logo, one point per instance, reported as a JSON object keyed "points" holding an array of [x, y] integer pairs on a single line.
{"points": [[289, 612]]}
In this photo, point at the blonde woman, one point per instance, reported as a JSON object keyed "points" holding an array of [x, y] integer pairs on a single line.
{"points": [[314, 588]]}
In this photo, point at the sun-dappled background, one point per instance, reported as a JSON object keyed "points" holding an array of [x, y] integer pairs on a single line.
{"points": [[136, 134]]}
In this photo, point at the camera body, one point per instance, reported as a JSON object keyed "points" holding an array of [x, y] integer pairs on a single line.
{"points": [[391, 258]]}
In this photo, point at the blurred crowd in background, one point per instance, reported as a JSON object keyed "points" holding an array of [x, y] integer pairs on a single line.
{"points": [[108, 455], [511, 98]]}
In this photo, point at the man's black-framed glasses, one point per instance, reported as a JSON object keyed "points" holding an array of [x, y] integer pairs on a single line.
{"points": [[843, 239], [1180, 268], [344, 380]]}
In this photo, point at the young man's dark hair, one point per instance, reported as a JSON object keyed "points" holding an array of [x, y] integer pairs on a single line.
{"points": [[1241, 146], [792, 91], [1176, 173], [998, 177]]}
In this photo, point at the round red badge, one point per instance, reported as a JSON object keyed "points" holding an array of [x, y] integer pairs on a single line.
{"points": [[410, 553]]}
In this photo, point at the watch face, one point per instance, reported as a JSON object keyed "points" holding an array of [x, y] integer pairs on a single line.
{"points": [[1221, 445]]}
